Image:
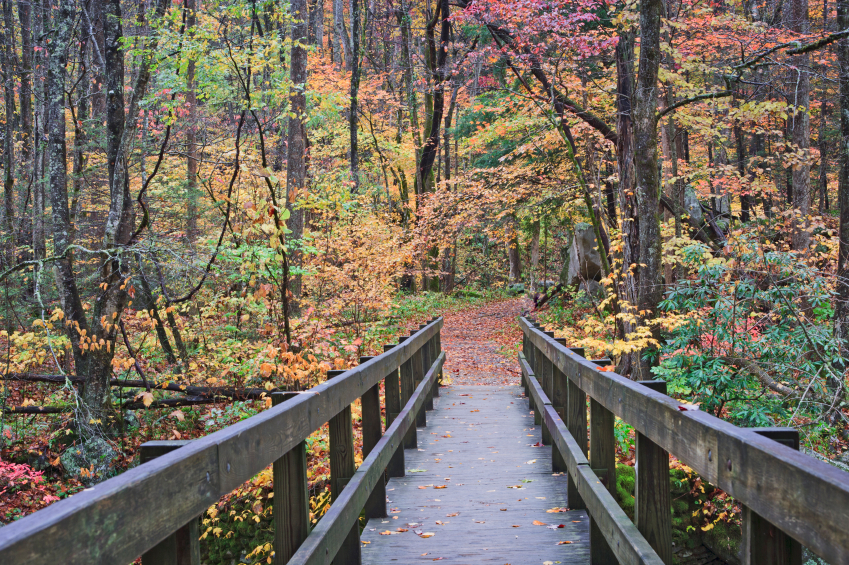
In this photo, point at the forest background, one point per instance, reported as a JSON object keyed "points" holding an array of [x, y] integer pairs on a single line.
{"points": [[206, 201]]}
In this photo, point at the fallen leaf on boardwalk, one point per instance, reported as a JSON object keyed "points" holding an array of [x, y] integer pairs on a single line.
{"points": [[515, 486], [516, 526], [531, 462], [427, 535], [452, 514], [556, 526], [474, 410], [387, 533], [366, 542], [414, 525], [538, 523], [422, 487], [416, 470], [503, 509], [402, 530], [440, 486], [556, 509], [563, 542]]}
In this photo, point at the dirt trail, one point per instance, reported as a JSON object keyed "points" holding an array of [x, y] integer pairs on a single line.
{"points": [[472, 340]]}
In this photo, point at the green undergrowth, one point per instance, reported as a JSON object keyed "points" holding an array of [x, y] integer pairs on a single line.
{"points": [[697, 516]]}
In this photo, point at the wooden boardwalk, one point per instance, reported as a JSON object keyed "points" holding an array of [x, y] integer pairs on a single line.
{"points": [[478, 482]]}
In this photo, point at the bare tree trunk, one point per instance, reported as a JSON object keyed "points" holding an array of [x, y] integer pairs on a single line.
{"points": [[514, 255], [646, 167], [796, 18], [353, 118], [628, 290], [25, 19], [822, 142], [437, 59], [532, 288], [841, 318], [296, 162], [9, 83], [341, 42], [192, 157]]}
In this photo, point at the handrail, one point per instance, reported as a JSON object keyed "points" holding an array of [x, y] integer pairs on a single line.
{"points": [[803, 497], [327, 537], [123, 517], [623, 537]]}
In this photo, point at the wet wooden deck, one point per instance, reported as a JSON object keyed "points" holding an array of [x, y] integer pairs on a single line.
{"points": [[475, 488]]}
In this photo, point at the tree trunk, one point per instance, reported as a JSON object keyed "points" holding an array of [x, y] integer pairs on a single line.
{"points": [[532, 289], [9, 83], [628, 289], [841, 318], [25, 19], [646, 168], [437, 59], [514, 255], [296, 162], [341, 42], [822, 142], [353, 117], [796, 19], [192, 157]]}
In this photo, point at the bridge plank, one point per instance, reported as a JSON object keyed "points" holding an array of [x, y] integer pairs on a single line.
{"points": [[477, 446]]}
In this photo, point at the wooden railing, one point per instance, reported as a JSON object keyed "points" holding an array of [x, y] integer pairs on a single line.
{"points": [[152, 510], [788, 498]]}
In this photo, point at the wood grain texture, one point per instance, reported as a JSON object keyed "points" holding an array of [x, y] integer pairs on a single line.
{"points": [[488, 451], [749, 467], [372, 432], [332, 530], [603, 463], [121, 518], [183, 546], [291, 503], [392, 392], [621, 535]]}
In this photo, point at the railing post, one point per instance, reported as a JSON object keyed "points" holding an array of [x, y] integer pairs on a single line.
{"points": [[342, 468], [418, 376], [559, 399], [438, 341], [652, 503], [372, 432], [545, 377], [427, 359], [525, 354], [603, 463], [408, 385], [576, 423], [763, 543], [392, 389], [291, 503], [183, 546]]}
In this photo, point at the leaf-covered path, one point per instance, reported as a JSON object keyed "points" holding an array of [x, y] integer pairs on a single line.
{"points": [[473, 341], [479, 489]]}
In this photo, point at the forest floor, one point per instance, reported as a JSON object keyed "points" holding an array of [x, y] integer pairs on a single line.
{"points": [[481, 343]]}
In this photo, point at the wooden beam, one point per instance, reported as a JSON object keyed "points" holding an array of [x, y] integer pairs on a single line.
{"points": [[739, 461], [183, 546], [392, 391], [291, 496]]}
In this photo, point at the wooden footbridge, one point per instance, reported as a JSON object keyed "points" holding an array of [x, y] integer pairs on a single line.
{"points": [[464, 475]]}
